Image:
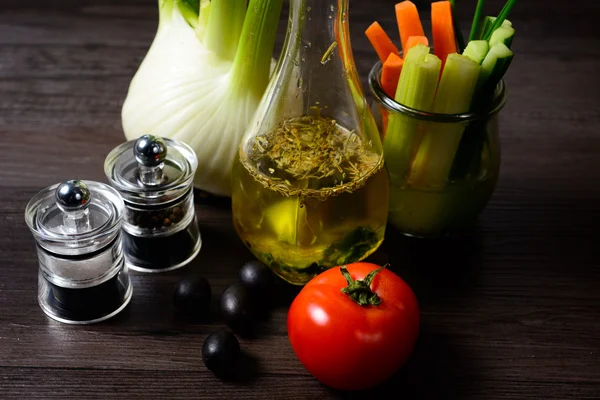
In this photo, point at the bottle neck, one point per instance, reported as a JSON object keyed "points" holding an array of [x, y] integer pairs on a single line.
{"points": [[319, 46], [317, 22]]}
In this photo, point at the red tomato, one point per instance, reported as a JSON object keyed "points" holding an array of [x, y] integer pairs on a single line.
{"points": [[346, 345]]}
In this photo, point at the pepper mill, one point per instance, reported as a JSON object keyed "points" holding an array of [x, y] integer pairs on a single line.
{"points": [[82, 274], [155, 176]]}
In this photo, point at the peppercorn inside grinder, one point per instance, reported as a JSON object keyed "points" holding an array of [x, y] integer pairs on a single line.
{"points": [[154, 176], [82, 274]]}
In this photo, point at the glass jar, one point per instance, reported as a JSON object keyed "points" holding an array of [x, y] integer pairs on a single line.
{"points": [[310, 188], [154, 176], [82, 275], [429, 196]]}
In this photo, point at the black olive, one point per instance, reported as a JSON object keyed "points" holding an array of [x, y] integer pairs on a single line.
{"points": [[238, 309], [192, 295], [220, 353], [257, 278]]}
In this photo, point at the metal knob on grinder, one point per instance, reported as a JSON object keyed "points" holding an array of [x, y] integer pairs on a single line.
{"points": [[73, 198], [150, 150], [150, 153], [72, 195]]}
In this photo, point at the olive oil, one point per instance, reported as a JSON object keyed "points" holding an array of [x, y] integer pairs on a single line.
{"points": [[309, 195]]}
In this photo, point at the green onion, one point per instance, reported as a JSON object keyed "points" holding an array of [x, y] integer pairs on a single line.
{"points": [[476, 19], [459, 36], [487, 24], [433, 161], [500, 19]]}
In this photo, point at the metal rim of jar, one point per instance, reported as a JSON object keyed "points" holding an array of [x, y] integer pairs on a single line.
{"points": [[392, 105]]}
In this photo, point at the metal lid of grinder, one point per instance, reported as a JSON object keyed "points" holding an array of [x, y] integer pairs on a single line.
{"points": [[75, 217], [151, 170]]}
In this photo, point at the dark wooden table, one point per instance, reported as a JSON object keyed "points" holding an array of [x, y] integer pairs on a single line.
{"points": [[510, 309]]}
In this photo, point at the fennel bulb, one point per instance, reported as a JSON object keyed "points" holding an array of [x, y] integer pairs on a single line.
{"points": [[202, 79]]}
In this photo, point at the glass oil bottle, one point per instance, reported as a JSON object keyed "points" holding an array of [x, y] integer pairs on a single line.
{"points": [[310, 189]]}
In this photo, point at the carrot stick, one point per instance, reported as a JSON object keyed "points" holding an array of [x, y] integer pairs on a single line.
{"points": [[409, 23], [390, 74], [442, 30], [381, 41], [415, 40]]}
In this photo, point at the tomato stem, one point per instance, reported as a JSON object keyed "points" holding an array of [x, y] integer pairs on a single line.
{"points": [[360, 290]]}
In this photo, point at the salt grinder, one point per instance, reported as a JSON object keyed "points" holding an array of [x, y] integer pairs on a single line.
{"points": [[82, 274]]}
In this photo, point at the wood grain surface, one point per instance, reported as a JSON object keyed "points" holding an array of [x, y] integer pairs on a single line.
{"points": [[510, 307]]}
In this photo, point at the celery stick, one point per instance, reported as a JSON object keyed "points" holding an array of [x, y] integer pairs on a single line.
{"points": [[433, 161], [456, 86], [416, 89], [504, 34], [477, 50], [407, 91]]}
